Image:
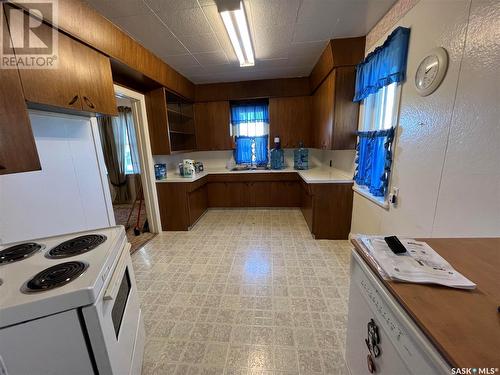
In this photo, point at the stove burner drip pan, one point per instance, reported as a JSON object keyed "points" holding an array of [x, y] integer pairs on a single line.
{"points": [[19, 252], [76, 246], [55, 276]]}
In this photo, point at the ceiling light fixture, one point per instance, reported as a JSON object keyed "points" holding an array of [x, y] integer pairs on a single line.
{"points": [[233, 15]]}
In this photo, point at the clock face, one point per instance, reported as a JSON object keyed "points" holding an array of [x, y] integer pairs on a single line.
{"points": [[431, 71], [427, 72]]}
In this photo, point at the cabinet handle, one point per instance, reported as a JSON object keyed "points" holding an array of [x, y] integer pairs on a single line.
{"points": [[88, 102], [72, 101]]}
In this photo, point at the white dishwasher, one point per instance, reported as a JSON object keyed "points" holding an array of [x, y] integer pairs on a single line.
{"points": [[381, 337]]}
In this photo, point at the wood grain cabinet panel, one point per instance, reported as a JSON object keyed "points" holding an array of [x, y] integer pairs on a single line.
{"points": [[334, 115], [97, 92], [17, 145], [323, 104], [58, 87], [82, 80], [212, 126], [197, 203], [290, 119], [156, 106]]}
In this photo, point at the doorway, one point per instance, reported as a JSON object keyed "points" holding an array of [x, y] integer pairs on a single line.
{"points": [[127, 166]]}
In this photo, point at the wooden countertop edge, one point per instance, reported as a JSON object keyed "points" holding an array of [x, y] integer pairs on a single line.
{"points": [[387, 284]]}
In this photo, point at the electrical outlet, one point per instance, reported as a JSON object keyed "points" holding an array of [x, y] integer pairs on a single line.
{"points": [[394, 196]]}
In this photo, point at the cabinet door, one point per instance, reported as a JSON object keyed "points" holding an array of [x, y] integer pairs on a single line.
{"points": [[55, 87], [323, 100], [17, 144], [156, 104], [346, 112], [286, 194], [198, 203], [212, 126], [96, 82], [228, 194], [260, 194], [290, 119]]}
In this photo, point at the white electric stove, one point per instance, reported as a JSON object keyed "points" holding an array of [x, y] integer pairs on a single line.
{"points": [[69, 305]]}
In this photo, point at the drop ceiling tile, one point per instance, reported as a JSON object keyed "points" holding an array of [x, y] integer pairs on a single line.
{"points": [[171, 5], [272, 42], [276, 12], [201, 43], [211, 58], [186, 22], [119, 8], [182, 61], [306, 32], [142, 27], [307, 48]]}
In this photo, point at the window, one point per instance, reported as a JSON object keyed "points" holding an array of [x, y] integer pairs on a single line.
{"points": [[378, 80], [129, 166], [250, 128], [380, 110]]}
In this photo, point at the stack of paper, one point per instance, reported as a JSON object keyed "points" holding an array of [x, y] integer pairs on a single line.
{"points": [[420, 264]]}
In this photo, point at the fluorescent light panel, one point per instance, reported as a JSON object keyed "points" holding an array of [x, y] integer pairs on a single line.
{"points": [[236, 25]]}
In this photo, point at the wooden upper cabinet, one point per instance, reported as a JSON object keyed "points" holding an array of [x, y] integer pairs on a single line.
{"points": [[97, 93], [156, 104], [212, 122], [82, 80], [322, 116], [346, 112], [56, 87], [335, 116], [290, 119], [17, 144]]}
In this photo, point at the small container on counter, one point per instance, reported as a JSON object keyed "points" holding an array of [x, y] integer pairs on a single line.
{"points": [[160, 172], [198, 167]]}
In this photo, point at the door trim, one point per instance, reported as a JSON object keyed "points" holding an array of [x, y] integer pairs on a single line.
{"points": [[146, 156]]}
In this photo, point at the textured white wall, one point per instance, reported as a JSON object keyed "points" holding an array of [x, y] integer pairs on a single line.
{"points": [[447, 143]]}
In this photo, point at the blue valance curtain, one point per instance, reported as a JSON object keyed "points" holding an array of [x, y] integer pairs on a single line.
{"points": [[249, 113], [385, 65], [374, 159], [243, 151]]}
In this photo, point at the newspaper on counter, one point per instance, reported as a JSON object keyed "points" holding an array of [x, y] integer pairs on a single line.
{"points": [[420, 264]]}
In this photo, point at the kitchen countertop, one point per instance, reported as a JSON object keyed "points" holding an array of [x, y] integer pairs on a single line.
{"points": [[316, 175], [464, 325]]}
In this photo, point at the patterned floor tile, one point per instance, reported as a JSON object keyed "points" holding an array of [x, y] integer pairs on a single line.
{"points": [[244, 292]]}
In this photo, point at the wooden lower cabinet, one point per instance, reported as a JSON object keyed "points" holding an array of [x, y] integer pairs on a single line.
{"points": [[197, 203], [326, 207]]}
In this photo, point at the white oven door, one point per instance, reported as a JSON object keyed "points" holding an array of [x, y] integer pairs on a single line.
{"points": [[114, 321]]}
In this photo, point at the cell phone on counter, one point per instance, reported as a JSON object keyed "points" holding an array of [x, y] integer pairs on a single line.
{"points": [[395, 245]]}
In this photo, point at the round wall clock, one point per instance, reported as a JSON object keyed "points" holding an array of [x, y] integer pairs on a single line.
{"points": [[431, 71]]}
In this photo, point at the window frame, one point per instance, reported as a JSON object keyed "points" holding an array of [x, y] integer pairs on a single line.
{"points": [[265, 130], [373, 116]]}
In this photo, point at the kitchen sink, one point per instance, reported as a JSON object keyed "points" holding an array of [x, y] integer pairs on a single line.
{"points": [[249, 168]]}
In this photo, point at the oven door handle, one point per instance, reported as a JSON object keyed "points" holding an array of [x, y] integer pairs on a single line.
{"points": [[116, 279]]}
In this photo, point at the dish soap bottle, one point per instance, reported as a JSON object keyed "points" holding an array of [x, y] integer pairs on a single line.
{"points": [[277, 155], [301, 157]]}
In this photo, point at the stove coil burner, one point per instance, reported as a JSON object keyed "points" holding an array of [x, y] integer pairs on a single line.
{"points": [[19, 252], [55, 276], [76, 246]]}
